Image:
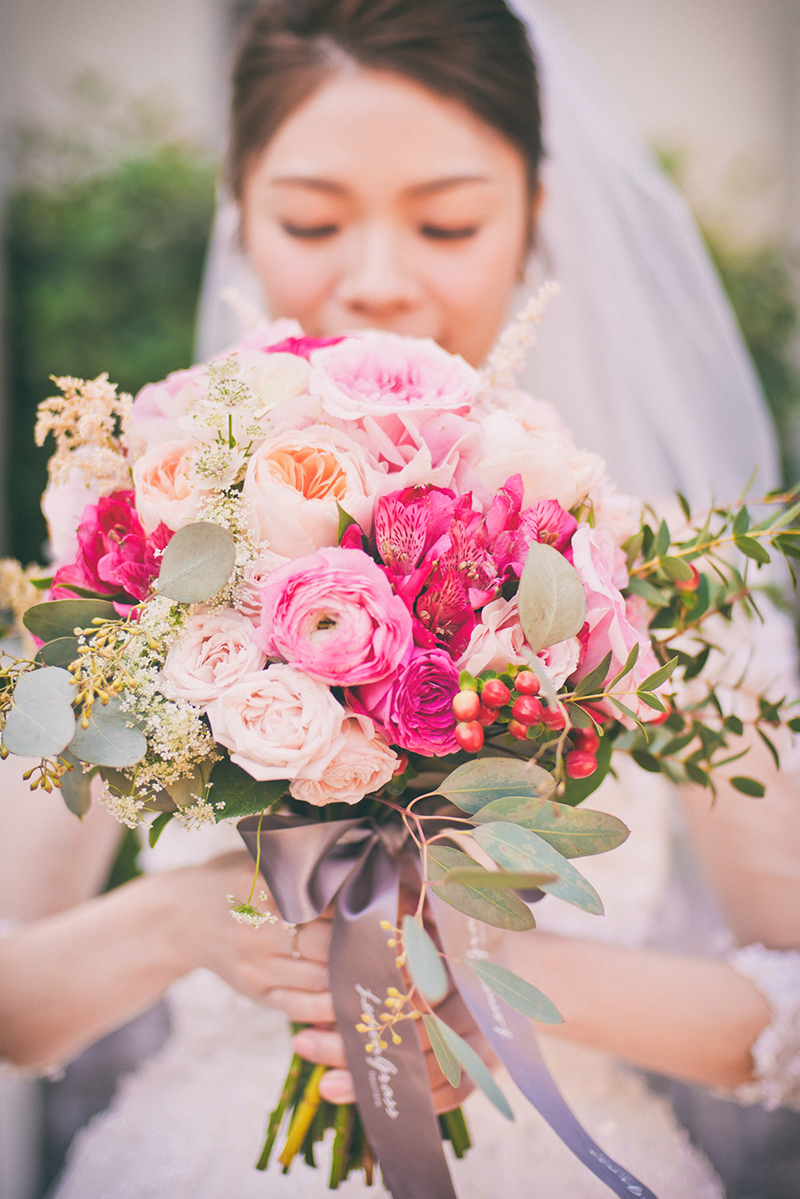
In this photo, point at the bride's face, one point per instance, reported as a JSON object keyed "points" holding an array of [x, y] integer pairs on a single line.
{"points": [[380, 204]]}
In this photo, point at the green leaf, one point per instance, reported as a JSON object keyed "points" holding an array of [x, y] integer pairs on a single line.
{"points": [[684, 503], [632, 548], [652, 701], [516, 848], [659, 677], [449, 1063], [423, 961], [197, 563], [691, 672], [483, 779], [76, 786], [647, 592], [467, 682], [646, 761], [752, 549], [748, 786], [478, 1072], [662, 540], [577, 790], [499, 880], [240, 793], [630, 662], [112, 739], [593, 681], [157, 827], [732, 724], [741, 522], [574, 832], [697, 774], [345, 521], [63, 651], [516, 992], [771, 747], [41, 722], [60, 618], [157, 800], [551, 601], [498, 908], [676, 570], [794, 724], [625, 710]]}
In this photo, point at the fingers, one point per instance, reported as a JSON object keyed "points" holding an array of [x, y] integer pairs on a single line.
{"points": [[304, 1007], [321, 1045], [337, 1087], [313, 940]]}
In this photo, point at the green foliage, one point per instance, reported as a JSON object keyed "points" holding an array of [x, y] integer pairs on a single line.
{"points": [[197, 563], [103, 274]]}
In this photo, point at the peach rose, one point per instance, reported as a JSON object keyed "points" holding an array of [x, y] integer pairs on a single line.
{"points": [[163, 488], [214, 651], [279, 724], [294, 482], [363, 765]]}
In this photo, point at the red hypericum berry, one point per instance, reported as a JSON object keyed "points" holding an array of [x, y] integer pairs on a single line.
{"points": [[495, 694], [690, 584], [466, 705], [402, 765], [659, 718], [520, 731], [580, 764], [487, 716], [469, 736], [527, 683], [597, 714], [586, 739], [527, 709], [553, 719]]}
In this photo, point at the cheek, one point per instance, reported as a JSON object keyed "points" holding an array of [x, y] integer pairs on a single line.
{"points": [[296, 278]]}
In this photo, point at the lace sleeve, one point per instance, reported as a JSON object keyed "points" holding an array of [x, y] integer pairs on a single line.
{"points": [[776, 1051]]}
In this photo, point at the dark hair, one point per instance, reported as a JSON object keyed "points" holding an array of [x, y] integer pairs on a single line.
{"points": [[473, 51]]}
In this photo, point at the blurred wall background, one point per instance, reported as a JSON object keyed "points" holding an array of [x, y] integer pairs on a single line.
{"points": [[111, 126]]}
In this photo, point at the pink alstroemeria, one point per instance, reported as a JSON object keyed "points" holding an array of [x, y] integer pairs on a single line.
{"points": [[411, 532], [445, 613], [554, 526]]}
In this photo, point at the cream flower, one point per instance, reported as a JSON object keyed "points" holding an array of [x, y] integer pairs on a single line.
{"points": [[364, 764]]}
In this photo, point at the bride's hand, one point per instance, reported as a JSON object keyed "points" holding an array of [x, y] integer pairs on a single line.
{"points": [[257, 962]]}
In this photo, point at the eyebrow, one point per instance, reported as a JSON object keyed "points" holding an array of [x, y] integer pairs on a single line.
{"points": [[422, 189]]}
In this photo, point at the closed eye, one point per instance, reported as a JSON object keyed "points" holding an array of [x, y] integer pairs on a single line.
{"points": [[439, 233], [310, 232]]}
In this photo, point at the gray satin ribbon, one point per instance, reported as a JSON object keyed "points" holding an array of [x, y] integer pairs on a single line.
{"points": [[306, 865]]}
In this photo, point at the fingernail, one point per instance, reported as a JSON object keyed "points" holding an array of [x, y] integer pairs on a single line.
{"points": [[336, 1086], [304, 1045]]}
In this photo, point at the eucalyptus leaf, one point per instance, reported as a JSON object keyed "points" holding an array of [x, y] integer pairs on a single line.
{"points": [[482, 780], [423, 961], [111, 739], [121, 784], [551, 600], [450, 1065], [197, 563], [502, 909], [241, 794], [516, 992], [41, 722], [478, 1072], [499, 880], [574, 832], [60, 618], [62, 651], [185, 792], [76, 786], [516, 848]]}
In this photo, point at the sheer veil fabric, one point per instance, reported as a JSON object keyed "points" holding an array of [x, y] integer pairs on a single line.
{"points": [[640, 352]]}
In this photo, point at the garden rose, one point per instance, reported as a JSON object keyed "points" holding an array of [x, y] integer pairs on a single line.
{"points": [[159, 408], [255, 576], [381, 373], [294, 482], [215, 650], [163, 488], [496, 641], [279, 724], [415, 710], [363, 765]]}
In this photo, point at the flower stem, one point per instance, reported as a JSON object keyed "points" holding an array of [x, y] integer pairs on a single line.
{"points": [[304, 1114]]}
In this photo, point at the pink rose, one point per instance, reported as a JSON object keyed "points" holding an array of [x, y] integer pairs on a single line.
{"points": [[255, 576], [364, 764], [163, 490], [601, 568], [279, 724], [215, 650], [496, 641], [159, 407], [415, 709], [334, 615], [294, 482], [383, 372]]}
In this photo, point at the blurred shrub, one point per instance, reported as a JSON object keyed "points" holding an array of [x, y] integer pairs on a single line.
{"points": [[102, 273]]}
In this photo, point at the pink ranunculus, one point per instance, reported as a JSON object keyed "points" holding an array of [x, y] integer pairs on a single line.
{"points": [[334, 615], [214, 651], [279, 723], [163, 488], [601, 568], [381, 373], [295, 482], [415, 710], [255, 576], [363, 765]]}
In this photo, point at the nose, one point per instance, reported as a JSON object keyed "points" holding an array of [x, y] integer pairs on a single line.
{"points": [[375, 285]]}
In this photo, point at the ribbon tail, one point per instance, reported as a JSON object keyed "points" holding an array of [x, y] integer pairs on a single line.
{"points": [[391, 1084]]}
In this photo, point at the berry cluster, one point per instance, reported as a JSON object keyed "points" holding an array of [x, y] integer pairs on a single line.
{"points": [[512, 700]]}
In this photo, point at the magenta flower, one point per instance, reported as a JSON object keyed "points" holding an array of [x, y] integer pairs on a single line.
{"points": [[415, 710], [303, 347], [411, 531], [554, 526], [444, 611]]}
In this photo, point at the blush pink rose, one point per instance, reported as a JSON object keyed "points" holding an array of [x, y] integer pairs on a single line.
{"points": [[496, 641], [163, 488], [382, 372], [255, 576], [334, 615], [294, 482], [279, 723], [364, 764], [214, 651]]}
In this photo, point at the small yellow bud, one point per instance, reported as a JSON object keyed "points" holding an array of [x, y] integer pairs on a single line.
{"points": [[395, 1039], [386, 925]]}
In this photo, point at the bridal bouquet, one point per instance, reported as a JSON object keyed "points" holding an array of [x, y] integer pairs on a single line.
{"points": [[379, 608]]}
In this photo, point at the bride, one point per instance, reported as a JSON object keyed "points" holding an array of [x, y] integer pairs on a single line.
{"points": [[386, 164]]}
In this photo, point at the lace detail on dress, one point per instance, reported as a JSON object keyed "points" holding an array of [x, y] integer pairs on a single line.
{"points": [[776, 1052]]}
